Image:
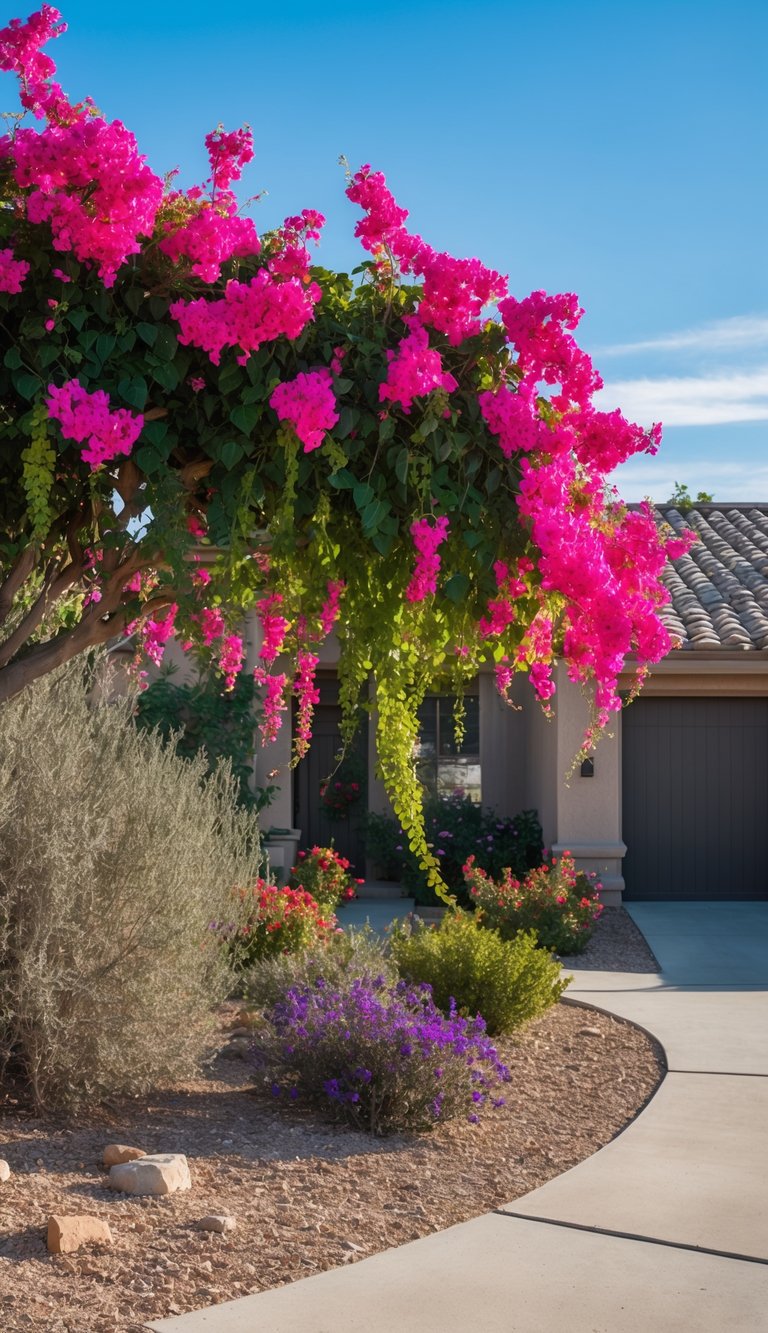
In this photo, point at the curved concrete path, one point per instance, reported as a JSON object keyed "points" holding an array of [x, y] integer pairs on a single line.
{"points": [[664, 1229]]}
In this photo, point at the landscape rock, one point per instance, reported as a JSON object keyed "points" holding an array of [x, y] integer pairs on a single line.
{"points": [[5, 1171], [237, 1049], [157, 1173], [66, 1234], [218, 1222], [117, 1153]]}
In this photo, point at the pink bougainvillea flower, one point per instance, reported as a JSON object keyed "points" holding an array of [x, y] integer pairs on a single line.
{"points": [[12, 272], [308, 404], [427, 536], [414, 370], [248, 315], [86, 418]]}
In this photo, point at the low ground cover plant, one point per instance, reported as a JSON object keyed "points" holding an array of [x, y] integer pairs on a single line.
{"points": [[560, 904], [269, 920], [508, 981], [378, 1055], [325, 874], [115, 855], [456, 829], [345, 954]]}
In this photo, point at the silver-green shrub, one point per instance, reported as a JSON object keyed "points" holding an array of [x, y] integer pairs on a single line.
{"points": [[349, 954], [116, 857]]}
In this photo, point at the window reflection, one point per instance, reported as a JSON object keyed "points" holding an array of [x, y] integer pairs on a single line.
{"points": [[444, 765]]}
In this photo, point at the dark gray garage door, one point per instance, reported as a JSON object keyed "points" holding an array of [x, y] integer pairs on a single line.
{"points": [[695, 798]]}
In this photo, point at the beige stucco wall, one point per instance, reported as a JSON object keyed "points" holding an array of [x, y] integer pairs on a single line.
{"points": [[578, 814]]}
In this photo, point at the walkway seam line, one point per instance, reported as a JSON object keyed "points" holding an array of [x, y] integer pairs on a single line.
{"points": [[631, 1235], [719, 1073]]}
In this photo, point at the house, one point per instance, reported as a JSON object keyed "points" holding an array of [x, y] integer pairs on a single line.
{"points": [[675, 801]]}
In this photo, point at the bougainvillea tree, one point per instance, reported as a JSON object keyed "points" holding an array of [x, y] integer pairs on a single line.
{"points": [[197, 421]]}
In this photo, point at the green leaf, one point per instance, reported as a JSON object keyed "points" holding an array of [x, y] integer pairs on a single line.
{"points": [[231, 378], [155, 431], [457, 588], [147, 333], [230, 453], [27, 385], [245, 416], [47, 353], [149, 460], [105, 345], [373, 514], [167, 376], [473, 539], [348, 419], [344, 385], [133, 297], [12, 358], [77, 318], [386, 429], [363, 494], [133, 391], [158, 306], [342, 480], [401, 465], [166, 344], [492, 481]]}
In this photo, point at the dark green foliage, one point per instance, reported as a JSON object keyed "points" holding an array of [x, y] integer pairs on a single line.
{"points": [[202, 716], [456, 829]]}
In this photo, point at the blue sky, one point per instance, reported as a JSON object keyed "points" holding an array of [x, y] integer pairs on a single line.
{"points": [[614, 149]]}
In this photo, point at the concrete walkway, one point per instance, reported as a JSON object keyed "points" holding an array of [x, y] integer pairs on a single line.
{"points": [[664, 1229]]}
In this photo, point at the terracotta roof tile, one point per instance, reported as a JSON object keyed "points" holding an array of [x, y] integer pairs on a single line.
{"points": [[719, 590]]}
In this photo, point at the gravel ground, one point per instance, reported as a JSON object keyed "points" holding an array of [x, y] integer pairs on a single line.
{"points": [[306, 1195], [616, 946]]}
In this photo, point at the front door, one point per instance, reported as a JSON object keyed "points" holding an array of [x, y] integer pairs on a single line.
{"points": [[325, 821]]}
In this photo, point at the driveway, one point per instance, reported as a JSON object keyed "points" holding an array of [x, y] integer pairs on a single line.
{"points": [[666, 1228]]}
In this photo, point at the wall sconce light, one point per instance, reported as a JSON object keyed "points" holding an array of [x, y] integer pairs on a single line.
{"points": [[588, 768]]}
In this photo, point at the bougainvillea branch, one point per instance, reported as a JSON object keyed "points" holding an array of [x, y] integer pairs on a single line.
{"points": [[197, 421]]}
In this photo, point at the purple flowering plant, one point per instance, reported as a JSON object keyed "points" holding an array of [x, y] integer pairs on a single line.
{"points": [[379, 1055]]}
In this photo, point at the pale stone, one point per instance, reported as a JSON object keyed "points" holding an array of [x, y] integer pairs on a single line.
{"points": [[219, 1222], [66, 1234], [5, 1171], [158, 1173], [117, 1153]]}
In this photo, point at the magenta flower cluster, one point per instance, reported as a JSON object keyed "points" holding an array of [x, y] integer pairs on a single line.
{"points": [[86, 418], [248, 314], [12, 272], [415, 369], [427, 537], [308, 404]]}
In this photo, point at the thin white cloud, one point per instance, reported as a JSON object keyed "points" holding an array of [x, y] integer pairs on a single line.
{"points": [[737, 332], [691, 400], [732, 480]]}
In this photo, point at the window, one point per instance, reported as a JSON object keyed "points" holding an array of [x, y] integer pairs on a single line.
{"points": [[442, 765]]}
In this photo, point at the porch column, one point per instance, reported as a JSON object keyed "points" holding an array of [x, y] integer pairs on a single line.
{"points": [[579, 814]]}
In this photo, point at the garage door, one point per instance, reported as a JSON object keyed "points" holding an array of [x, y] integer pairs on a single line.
{"points": [[695, 798]]}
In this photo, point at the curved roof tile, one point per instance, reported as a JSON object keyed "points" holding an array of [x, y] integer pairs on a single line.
{"points": [[719, 590]]}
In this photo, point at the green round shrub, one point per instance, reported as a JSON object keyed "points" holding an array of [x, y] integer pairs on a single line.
{"points": [[508, 982]]}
